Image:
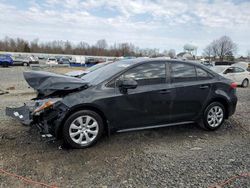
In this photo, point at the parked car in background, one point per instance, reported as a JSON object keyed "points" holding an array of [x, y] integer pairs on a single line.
{"points": [[79, 59], [207, 63], [51, 61], [238, 74], [80, 73], [64, 60], [25, 60], [223, 63], [124, 96], [91, 61], [58, 58], [5, 60]]}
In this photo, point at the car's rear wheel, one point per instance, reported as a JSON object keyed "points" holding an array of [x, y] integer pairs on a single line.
{"points": [[82, 129], [245, 83], [213, 116]]}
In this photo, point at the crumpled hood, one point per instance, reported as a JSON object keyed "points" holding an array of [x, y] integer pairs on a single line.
{"points": [[47, 83], [77, 73]]}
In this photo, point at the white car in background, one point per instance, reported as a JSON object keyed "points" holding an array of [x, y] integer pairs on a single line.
{"points": [[235, 73], [51, 61]]}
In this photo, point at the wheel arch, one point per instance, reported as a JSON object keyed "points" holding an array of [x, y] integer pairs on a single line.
{"points": [[244, 80], [59, 127]]}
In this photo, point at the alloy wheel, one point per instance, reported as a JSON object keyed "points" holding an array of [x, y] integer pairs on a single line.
{"points": [[83, 130], [215, 116]]}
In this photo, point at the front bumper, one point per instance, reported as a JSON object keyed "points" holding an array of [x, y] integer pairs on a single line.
{"points": [[22, 114], [47, 122]]}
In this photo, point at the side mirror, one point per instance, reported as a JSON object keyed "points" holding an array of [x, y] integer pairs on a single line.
{"points": [[124, 85]]}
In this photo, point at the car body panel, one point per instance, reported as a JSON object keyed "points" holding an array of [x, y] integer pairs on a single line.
{"points": [[47, 83]]}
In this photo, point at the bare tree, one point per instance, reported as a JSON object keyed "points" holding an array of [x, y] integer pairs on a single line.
{"points": [[208, 52], [221, 48], [101, 44], [226, 47]]}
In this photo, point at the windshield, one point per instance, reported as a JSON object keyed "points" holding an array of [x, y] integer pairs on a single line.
{"points": [[97, 66], [218, 69], [105, 72]]}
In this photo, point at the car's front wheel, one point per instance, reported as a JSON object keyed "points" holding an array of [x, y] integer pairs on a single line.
{"points": [[82, 129], [25, 64], [213, 116]]}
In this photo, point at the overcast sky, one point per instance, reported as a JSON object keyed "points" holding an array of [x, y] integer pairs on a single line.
{"points": [[162, 24]]}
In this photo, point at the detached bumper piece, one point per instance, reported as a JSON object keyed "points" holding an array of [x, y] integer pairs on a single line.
{"points": [[22, 114]]}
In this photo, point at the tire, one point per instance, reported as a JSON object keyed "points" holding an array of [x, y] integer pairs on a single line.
{"points": [[77, 134], [245, 83], [213, 116], [5, 64], [25, 64]]}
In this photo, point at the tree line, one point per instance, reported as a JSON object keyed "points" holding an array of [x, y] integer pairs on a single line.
{"points": [[100, 48]]}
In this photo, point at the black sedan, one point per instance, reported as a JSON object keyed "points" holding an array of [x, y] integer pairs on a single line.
{"points": [[127, 95]]}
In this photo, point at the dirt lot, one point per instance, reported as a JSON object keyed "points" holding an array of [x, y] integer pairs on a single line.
{"points": [[180, 156]]}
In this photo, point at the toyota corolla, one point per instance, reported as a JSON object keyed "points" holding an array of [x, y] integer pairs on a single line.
{"points": [[124, 96]]}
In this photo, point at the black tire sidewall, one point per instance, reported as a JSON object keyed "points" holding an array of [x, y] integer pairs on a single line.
{"points": [[25, 64], [5, 64], [205, 123], [245, 86], [66, 137]]}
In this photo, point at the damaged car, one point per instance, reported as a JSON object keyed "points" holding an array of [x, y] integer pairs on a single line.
{"points": [[127, 95]]}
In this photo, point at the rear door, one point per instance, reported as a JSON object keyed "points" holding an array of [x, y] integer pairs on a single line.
{"points": [[193, 86], [239, 75]]}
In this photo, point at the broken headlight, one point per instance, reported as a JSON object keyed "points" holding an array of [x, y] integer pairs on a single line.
{"points": [[45, 104]]}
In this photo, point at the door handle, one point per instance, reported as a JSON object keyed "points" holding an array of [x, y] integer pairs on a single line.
{"points": [[164, 91], [204, 86]]}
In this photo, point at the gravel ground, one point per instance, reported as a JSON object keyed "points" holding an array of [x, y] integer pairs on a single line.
{"points": [[180, 156]]}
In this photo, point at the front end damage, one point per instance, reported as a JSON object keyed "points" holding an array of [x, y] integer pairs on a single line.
{"points": [[47, 111], [46, 115]]}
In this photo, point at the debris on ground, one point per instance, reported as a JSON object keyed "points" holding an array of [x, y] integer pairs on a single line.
{"points": [[11, 88]]}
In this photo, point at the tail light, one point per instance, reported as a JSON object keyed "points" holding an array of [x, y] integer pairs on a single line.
{"points": [[233, 85]]}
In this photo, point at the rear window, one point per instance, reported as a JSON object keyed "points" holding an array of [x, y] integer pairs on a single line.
{"points": [[202, 74], [181, 72]]}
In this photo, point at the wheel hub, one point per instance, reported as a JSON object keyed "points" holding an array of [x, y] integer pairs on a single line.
{"points": [[215, 116], [83, 130]]}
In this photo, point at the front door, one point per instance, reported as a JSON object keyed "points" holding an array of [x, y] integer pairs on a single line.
{"points": [[149, 103]]}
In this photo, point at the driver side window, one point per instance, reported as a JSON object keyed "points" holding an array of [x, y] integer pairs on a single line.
{"points": [[146, 74]]}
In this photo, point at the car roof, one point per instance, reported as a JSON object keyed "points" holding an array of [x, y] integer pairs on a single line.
{"points": [[142, 60]]}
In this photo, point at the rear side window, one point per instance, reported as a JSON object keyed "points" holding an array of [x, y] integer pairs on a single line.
{"points": [[237, 69], [181, 72], [202, 74], [147, 74]]}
